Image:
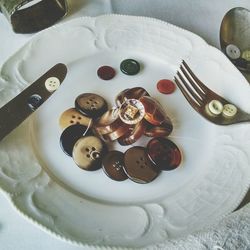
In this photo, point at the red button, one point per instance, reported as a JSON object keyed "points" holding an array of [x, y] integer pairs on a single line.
{"points": [[164, 153], [165, 86]]}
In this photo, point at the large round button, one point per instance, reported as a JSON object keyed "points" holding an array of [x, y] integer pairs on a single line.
{"points": [[233, 52], [88, 152], [130, 67], [229, 110], [91, 104], [70, 135], [113, 165], [72, 116], [106, 72], [138, 167], [52, 84], [131, 111], [164, 153]]}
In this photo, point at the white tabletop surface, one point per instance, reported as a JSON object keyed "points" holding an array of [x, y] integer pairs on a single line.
{"points": [[200, 17]]}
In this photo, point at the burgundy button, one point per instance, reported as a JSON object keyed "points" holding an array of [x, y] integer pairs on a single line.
{"points": [[106, 72], [70, 135], [165, 86], [91, 105], [113, 165], [138, 167], [164, 153]]}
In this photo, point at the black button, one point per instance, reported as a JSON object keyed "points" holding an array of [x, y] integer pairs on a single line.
{"points": [[70, 135], [130, 67], [35, 101]]}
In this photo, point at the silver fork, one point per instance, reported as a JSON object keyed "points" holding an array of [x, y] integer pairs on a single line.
{"points": [[207, 103]]}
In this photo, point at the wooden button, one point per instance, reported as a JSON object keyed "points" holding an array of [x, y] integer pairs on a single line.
{"points": [[113, 165], [106, 72], [70, 136], [164, 153], [138, 167], [88, 152], [72, 116]]}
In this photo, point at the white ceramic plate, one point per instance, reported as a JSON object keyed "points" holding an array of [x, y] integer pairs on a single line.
{"points": [[88, 207]]}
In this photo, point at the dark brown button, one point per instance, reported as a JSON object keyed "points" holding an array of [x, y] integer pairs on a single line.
{"points": [[91, 105], [133, 93], [134, 133], [113, 165], [138, 167], [88, 152], [164, 153], [70, 135], [106, 72]]}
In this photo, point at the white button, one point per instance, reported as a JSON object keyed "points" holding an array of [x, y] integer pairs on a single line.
{"points": [[229, 110], [215, 107], [233, 52], [52, 84]]}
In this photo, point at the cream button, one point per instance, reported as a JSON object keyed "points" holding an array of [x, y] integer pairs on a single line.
{"points": [[215, 107], [246, 55], [233, 52], [229, 110], [52, 84]]}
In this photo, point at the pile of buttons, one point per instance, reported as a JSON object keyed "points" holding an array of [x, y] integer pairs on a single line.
{"points": [[90, 126]]}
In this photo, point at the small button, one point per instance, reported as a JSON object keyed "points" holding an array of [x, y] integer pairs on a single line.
{"points": [[233, 52], [113, 165], [52, 84], [215, 107], [34, 101], [131, 111], [130, 67], [138, 167], [164, 153], [72, 116], [229, 110], [154, 112], [246, 55], [106, 72], [165, 86], [88, 152], [70, 136], [91, 105]]}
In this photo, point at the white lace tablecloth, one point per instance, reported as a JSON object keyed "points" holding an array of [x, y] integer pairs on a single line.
{"points": [[200, 17]]}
